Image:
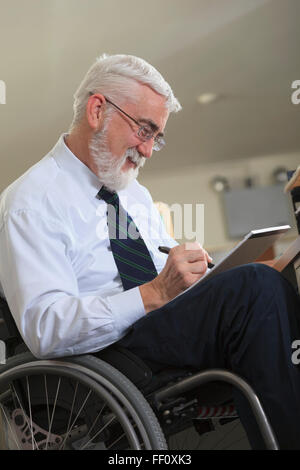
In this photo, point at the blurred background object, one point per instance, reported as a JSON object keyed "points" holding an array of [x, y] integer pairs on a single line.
{"points": [[293, 186]]}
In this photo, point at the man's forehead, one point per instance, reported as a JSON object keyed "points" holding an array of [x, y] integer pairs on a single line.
{"points": [[151, 108]]}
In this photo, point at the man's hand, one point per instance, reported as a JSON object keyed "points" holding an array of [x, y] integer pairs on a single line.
{"points": [[185, 265]]}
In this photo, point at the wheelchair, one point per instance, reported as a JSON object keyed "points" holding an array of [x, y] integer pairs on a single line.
{"points": [[109, 402]]}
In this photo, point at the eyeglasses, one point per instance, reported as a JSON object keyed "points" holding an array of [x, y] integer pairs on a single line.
{"points": [[144, 132]]}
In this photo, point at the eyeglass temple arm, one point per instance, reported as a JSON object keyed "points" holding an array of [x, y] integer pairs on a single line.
{"points": [[121, 110]]}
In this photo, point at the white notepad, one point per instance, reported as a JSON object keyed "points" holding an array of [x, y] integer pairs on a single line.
{"points": [[249, 249]]}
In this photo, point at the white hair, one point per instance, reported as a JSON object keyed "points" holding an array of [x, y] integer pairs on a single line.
{"points": [[116, 77]]}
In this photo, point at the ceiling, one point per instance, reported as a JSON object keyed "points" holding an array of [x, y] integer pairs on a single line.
{"points": [[247, 51]]}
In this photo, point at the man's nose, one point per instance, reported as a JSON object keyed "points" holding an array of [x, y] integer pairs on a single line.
{"points": [[146, 148]]}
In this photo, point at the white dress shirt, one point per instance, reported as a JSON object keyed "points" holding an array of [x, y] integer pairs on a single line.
{"points": [[57, 271]]}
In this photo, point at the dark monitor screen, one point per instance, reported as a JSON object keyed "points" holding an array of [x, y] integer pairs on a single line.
{"points": [[254, 208]]}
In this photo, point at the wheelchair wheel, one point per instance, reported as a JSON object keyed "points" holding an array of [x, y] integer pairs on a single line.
{"points": [[73, 403]]}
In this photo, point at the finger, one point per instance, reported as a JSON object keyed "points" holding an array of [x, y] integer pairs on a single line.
{"points": [[192, 246], [198, 267], [191, 252], [208, 257], [182, 252], [196, 246], [192, 256]]}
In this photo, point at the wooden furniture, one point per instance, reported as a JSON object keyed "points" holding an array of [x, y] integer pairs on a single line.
{"points": [[289, 262], [294, 182], [293, 186]]}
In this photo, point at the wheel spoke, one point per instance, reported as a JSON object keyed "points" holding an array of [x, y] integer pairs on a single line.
{"points": [[116, 440], [13, 431], [30, 413], [47, 399], [22, 409], [70, 417], [98, 432], [78, 414], [53, 412], [96, 419]]}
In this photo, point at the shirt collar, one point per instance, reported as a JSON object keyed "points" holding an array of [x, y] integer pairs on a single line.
{"points": [[66, 160]]}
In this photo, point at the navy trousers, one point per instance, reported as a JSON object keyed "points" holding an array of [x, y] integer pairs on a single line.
{"points": [[244, 320]]}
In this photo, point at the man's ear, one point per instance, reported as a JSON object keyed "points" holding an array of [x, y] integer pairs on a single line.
{"points": [[95, 111]]}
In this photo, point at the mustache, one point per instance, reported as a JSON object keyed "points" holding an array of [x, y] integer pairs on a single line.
{"points": [[136, 157]]}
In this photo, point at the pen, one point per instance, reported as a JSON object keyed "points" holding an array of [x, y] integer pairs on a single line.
{"points": [[166, 250]]}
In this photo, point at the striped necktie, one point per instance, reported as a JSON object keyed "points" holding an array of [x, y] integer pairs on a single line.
{"points": [[130, 252]]}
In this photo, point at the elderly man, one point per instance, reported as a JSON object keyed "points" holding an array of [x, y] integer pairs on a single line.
{"points": [[80, 266]]}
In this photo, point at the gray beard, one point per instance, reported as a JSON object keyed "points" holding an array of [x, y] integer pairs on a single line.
{"points": [[109, 167]]}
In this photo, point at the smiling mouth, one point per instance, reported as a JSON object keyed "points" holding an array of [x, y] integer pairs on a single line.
{"points": [[131, 162]]}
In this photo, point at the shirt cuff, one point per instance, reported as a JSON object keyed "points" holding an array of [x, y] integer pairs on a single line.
{"points": [[127, 307]]}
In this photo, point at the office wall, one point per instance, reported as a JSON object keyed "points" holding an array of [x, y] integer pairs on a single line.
{"points": [[193, 185]]}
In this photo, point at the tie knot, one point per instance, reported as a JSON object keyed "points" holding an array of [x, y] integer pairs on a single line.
{"points": [[108, 196]]}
